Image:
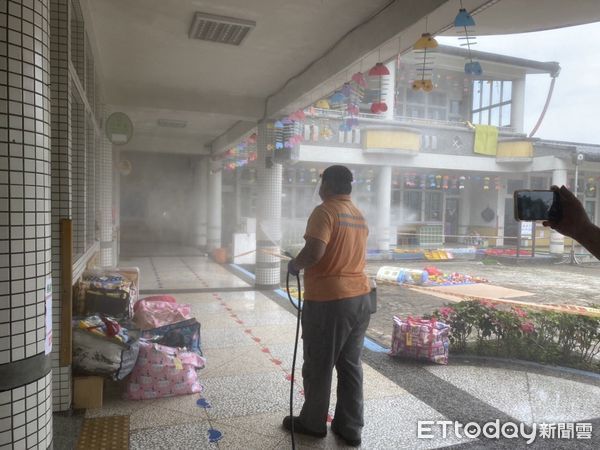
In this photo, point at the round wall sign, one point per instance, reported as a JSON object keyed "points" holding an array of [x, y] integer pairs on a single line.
{"points": [[118, 128]]}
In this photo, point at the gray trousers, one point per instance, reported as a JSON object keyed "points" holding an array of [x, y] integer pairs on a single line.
{"points": [[333, 333]]}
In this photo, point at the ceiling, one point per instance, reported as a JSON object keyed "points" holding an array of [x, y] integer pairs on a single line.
{"points": [[151, 70]]}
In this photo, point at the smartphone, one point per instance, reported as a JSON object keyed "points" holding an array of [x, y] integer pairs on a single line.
{"points": [[533, 205]]}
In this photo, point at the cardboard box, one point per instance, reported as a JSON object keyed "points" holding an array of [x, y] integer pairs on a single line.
{"points": [[87, 392]]}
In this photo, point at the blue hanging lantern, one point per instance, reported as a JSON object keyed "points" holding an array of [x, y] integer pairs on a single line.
{"points": [[463, 19], [464, 24], [473, 68], [337, 98]]}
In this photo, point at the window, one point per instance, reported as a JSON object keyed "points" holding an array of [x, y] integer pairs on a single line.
{"points": [[492, 102], [412, 206], [433, 206], [590, 209]]}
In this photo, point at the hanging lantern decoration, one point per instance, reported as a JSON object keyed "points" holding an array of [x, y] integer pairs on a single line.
{"points": [[378, 81], [486, 183], [590, 189], [454, 183], [431, 183], [461, 182], [438, 181], [279, 137], [445, 181], [423, 181], [323, 104], [497, 183], [425, 66], [314, 175], [337, 99], [464, 25]]}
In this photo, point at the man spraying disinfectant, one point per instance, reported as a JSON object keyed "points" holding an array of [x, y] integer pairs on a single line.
{"points": [[336, 310]]}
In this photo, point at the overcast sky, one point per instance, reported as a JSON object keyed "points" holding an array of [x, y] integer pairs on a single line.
{"points": [[574, 113]]}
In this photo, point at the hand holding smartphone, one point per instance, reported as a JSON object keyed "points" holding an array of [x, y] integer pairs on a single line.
{"points": [[534, 205]]}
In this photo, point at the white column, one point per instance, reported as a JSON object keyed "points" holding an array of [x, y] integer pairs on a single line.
{"points": [[517, 118], [201, 199], [384, 200], [214, 210], [500, 212], [268, 209], [557, 240], [388, 93], [104, 196], [25, 226], [61, 149]]}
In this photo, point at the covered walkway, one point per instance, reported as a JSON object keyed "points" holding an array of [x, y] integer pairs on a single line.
{"points": [[247, 338]]}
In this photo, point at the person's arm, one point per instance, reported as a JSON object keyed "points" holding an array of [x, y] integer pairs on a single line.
{"points": [[318, 233], [575, 222], [311, 254]]}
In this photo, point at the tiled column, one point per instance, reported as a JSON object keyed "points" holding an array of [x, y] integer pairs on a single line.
{"points": [[268, 209], [557, 240], [25, 243], [78, 173], [214, 210], [384, 200], [104, 201], [201, 202], [388, 93], [61, 181]]}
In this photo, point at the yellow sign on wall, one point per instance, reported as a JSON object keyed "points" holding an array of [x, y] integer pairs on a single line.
{"points": [[392, 140], [515, 149]]}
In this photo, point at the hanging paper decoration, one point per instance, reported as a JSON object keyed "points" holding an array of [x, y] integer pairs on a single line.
{"points": [[354, 92], [314, 175], [423, 181], [464, 25], [378, 80], [445, 180], [486, 183], [461, 182], [426, 42]]}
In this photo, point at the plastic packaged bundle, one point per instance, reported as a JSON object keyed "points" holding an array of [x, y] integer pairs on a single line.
{"points": [[163, 371], [422, 339], [108, 291], [157, 311], [102, 347]]}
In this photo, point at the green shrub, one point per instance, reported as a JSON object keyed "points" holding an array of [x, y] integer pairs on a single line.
{"points": [[487, 329]]}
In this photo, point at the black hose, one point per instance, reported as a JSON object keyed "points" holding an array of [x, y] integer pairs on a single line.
{"points": [[299, 310]]}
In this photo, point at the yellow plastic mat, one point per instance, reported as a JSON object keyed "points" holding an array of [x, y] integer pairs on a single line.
{"points": [[104, 433]]}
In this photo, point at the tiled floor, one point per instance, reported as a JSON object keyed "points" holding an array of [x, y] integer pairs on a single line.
{"points": [[248, 338]]}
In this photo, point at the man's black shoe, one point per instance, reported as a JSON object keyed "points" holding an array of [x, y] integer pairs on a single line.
{"points": [[349, 442], [299, 428]]}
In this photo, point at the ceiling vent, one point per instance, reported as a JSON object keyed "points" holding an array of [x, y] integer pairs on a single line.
{"points": [[170, 123], [225, 30]]}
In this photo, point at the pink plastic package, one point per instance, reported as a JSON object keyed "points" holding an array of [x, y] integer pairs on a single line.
{"points": [[421, 339], [154, 312], [162, 371]]}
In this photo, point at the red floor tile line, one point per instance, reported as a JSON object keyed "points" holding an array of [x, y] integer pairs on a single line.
{"points": [[276, 362]]}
